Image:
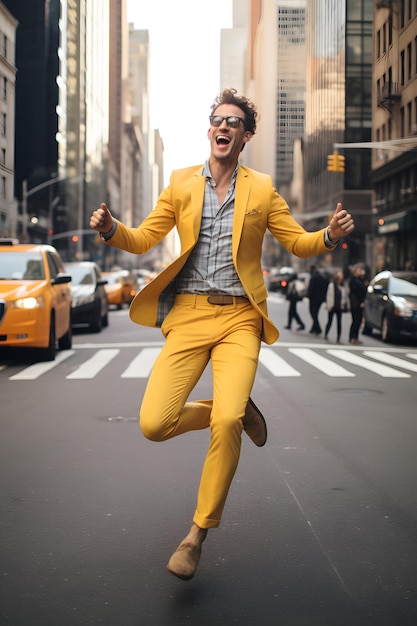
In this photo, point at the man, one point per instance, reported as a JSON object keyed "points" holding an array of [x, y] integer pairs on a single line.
{"points": [[316, 293], [211, 302], [357, 295]]}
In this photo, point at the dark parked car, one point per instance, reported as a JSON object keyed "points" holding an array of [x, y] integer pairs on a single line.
{"points": [[278, 280], [391, 305], [88, 296]]}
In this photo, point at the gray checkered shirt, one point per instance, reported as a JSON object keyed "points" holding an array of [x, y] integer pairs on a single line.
{"points": [[209, 268]]}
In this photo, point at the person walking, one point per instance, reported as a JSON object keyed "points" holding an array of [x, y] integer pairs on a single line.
{"points": [[293, 296], [357, 294], [316, 293], [336, 303], [211, 302]]}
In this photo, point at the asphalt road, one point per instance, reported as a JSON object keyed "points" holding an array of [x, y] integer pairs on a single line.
{"points": [[320, 528]]}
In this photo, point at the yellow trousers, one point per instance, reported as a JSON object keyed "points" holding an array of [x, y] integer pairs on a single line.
{"points": [[197, 332]]}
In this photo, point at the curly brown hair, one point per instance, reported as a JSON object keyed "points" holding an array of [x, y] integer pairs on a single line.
{"points": [[230, 96]]}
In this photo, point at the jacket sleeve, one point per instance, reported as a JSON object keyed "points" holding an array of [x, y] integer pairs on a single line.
{"points": [[289, 232]]}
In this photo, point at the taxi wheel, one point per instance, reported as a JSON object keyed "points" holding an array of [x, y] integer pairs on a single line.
{"points": [[65, 343], [48, 354]]}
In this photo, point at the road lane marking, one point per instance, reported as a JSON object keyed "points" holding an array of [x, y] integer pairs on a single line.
{"points": [[276, 364], [38, 369], [328, 367], [376, 368], [91, 367], [141, 365], [391, 360], [273, 359]]}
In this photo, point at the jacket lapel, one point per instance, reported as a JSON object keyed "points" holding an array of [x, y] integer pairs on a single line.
{"points": [[241, 203], [198, 183]]}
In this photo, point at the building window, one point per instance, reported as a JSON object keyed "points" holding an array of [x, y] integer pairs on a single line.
{"points": [[3, 188], [409, 61], [3, 45], [3, 156], [3, 124], [3, 87], [415, 116], [415, 55], [402, 69], [409, 119]]}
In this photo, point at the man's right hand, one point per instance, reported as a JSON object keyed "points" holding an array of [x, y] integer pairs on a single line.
{"points": [[101, 219]]}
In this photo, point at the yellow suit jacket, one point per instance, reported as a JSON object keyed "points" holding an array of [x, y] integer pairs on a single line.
{"points": [[258, 207]]}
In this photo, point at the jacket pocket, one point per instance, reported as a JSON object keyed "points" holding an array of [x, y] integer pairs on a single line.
{"points": [[260, 294]]}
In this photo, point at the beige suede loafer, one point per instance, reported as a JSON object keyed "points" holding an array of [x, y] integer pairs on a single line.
{"points": [[183, 563], [254, 424]]}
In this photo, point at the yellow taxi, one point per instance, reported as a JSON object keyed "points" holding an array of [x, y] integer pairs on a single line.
{"points": [[35, 298], [120, 288]]}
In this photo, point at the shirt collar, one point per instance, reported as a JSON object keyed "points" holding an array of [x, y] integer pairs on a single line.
{"points": [[206, 172]]}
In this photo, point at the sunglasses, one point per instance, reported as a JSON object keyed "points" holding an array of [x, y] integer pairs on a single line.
{"points": [[232, 121]]}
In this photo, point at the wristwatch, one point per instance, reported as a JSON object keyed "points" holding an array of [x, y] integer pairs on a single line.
{"points": [[110, 233], [327, 241]]}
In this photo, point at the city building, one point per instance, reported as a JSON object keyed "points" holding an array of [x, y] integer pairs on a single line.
{"points": [[394, 159], [8, 205], [338, 114], [308, 66], [61, 138]]}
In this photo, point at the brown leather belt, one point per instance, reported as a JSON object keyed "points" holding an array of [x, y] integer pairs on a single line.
{"points": [[214, 298], [223, 299]]}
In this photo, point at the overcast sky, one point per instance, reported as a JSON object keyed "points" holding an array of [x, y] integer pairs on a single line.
{"points": [[184, 71]]}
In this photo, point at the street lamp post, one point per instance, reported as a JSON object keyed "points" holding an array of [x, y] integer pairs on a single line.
{"points": [[26, 193]]}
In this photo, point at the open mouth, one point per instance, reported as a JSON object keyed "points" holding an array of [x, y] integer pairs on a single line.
{"points": [[223, 140]]}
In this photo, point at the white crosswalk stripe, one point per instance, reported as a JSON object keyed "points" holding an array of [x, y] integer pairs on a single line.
{"points": [[328, 367], [94, 365], [280, 362], [38, 369], [142, 364], [377, 368], [391, 360], [276, 364]]}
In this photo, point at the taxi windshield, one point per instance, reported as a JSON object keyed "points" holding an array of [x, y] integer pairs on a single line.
{"points": [[21, 266]]}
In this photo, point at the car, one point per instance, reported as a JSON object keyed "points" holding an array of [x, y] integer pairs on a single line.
{"points": [[278, 279], [88, 295], [35, 299], [391, 305], [143, 277], [120, 287]]}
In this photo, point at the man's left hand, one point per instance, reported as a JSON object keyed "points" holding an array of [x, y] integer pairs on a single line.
{"points": [[341, 224]]}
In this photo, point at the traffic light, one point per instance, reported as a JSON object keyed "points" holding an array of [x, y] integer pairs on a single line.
{"points": [[335, 162]]}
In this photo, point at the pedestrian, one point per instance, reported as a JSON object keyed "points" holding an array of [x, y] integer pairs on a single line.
{"points": [[293, 296], [357, 294], [336, 303], [210, 302], [316, 293]]}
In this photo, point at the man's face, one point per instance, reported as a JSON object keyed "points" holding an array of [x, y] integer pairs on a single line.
{"points": [[226, 142]]}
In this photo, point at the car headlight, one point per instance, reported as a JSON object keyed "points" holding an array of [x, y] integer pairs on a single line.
{"points": [[28, 303], [402, 308]]}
